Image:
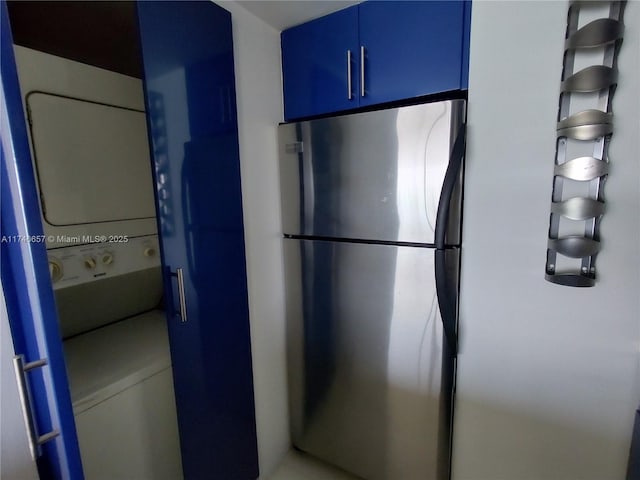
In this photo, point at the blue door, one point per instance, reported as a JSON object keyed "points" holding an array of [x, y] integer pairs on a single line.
{"points": [[411, 48], [27, 287], [320, 65], [189, 84]]}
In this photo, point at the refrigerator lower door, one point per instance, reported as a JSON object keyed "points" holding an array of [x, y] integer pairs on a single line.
{"points": [[370, 376]]}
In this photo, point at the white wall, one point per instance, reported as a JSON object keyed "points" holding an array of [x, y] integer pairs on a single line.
{"points": [[259, 99], [547, 383]]}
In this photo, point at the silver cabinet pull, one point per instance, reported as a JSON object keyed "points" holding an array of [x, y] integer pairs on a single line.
{"points": [[179, 274], [349, 87], [362, 54], [35, 440]]}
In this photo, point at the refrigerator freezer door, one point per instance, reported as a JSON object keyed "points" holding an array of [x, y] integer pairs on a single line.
{"points": [[372, 176], [369, 375]]}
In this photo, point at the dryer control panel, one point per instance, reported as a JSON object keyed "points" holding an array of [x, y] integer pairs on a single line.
{"points": [[78, 264]]}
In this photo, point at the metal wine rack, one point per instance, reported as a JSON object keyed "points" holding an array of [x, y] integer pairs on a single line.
{"points": [[583, 136]]}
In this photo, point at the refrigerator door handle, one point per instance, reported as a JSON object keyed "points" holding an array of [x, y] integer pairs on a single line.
{"points": [[448, 185], [446, 301]]}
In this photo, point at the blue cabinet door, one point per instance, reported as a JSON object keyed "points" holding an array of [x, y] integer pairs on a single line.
{"points": [[412, 48], [26, 284], [315, 65], [190, 96]]}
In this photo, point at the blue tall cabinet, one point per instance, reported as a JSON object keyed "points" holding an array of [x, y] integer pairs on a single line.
{"points": [[189, 82], [373, 53]]}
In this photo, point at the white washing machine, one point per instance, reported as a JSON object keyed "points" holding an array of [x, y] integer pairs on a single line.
{"points": [[122, 394]]}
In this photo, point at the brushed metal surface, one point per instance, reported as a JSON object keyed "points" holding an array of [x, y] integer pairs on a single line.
{"points": [[373, 176], [586, 117], [369, 377], [362, 79], [587, 132], [179, 274], [596, 34], [582, 169], [578, 208], [35, 440], [590, 79], [574, 246], [349, 87]]}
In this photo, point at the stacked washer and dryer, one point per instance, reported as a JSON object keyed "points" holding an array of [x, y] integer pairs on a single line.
{"points": [[91, 156]]}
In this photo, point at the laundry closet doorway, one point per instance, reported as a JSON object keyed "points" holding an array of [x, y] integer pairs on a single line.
{"points": [[189, 89]]}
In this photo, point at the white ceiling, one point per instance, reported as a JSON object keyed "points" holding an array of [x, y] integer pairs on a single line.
{"points": [[282, 14]]}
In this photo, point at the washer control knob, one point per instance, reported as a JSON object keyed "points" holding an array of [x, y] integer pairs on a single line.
{"points": [[55, 269], [107, 258], [149, 252], [89, 263]]}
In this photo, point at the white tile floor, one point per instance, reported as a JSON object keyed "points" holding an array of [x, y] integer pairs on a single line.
{"points": [[299, 466]]}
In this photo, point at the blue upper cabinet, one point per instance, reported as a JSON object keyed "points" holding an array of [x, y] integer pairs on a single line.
{"points": [[399, 50], [410, 49], [315, 65]]}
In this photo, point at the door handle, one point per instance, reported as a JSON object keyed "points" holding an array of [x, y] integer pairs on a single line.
{"points": [[35, 440], [179, 274], [349, 86], [446, 301], [362, 54], [448, 184]]}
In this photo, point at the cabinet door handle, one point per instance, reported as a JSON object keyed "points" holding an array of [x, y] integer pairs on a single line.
{"points": [[35, 440], [349, 95], [362, 53], [179, 274]]}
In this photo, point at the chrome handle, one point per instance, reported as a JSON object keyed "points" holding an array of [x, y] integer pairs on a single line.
{"points": [[35, 440], [349, 94], [179, 274], [596, 34], [362, 53]]}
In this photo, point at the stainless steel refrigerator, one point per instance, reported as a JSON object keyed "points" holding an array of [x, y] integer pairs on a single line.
{"points": [[371, 211]]}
